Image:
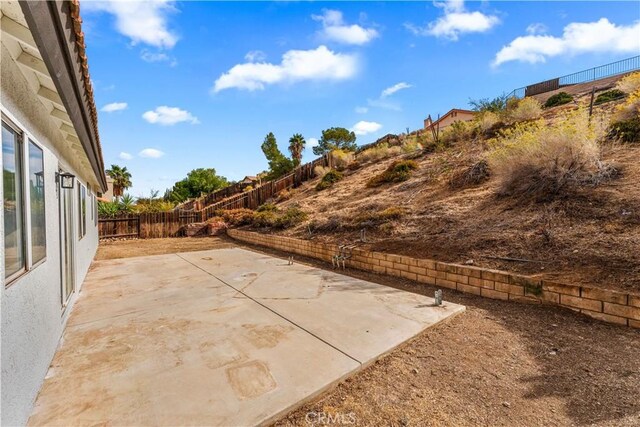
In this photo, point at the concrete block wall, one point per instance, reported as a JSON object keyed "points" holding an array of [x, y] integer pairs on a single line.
{"points": [[602, 304]]}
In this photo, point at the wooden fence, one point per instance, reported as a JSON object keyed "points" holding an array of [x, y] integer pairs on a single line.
{"points": [[171, 224], [147, 225]]}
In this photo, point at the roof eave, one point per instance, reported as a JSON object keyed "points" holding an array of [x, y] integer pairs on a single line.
{"points": [[57, 42]]}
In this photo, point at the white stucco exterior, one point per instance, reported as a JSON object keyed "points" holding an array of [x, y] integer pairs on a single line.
{"points": [[32, 315]]}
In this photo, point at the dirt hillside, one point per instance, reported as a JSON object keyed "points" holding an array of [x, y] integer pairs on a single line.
{"points": [[591, 236]]}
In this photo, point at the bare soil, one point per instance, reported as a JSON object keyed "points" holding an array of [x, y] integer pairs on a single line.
{"points": [[498, 364], [589, 236], [112, 249]]}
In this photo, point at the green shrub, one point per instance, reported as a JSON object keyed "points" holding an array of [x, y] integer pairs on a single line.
{"points": [[458, 131], [108, 209], [264, 219], [267, 207], [279, 219], [329, 179], [610, 95], [626, 130], [523, 110], [560, 98], [495, 105], [397, 172], [341, 159], [290, 217]]}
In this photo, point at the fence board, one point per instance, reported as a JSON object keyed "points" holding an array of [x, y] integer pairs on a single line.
{"points": [[171, 224]]}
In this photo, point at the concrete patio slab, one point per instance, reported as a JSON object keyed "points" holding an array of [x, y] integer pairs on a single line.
{"points": [[220, 337]]}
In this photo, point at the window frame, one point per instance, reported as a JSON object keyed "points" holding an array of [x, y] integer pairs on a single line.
{"points": [[82, 210], [33, 265], [20, 134], [26, 137]]}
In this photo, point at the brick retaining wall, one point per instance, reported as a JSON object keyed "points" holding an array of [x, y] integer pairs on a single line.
{"points": [[602, 304]]}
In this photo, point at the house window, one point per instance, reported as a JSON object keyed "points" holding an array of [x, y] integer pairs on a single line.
{"points": [[82, 210], [37, 208], [14, 242]]}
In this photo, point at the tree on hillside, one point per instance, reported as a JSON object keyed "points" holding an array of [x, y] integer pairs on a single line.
{"points": [[335, 138], [198, 181], [121, 179], [279, 164], [296, 147], [495, 105]]}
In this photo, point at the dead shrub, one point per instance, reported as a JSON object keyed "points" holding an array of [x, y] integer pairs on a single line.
{"points": [[284, 195], [544, 161], [371, 218], [237, 217], [475, 174], [630, 83], [378, 152], [398, 171], [331, 224], [320, 170]]}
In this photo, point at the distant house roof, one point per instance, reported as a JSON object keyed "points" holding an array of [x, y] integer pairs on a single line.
{"points": [[249, 179], [447, 114]]}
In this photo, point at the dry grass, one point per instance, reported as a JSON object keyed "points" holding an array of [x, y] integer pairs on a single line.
{"points": [[629, 83], [544, 161], [588, 237]]}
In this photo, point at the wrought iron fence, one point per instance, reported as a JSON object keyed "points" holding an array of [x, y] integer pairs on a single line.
{"points": [[585, 76]]}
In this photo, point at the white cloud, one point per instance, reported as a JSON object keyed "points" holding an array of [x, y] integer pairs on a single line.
{"points": [[151, 153], [169, 116], [364, 128], [296, 65], [141, 21], [312, 142], [384, 104], [577, 37], [335, 29], [393, 89], [455, 21], [148, 56], [361, 110], [537, 28], [255, 56], [125, 156], [114, 106]]}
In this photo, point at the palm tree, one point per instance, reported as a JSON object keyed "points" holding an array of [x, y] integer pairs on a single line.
{"points": [[296, 147], [121, 179]]}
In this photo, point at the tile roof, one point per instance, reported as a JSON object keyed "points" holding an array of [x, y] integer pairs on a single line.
{"points": [[74, 6]]}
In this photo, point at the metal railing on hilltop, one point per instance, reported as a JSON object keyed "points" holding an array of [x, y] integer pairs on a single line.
{"points": [[584, 76]]}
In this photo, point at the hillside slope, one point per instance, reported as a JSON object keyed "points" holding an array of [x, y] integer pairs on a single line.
{"points": [[591, 236]]}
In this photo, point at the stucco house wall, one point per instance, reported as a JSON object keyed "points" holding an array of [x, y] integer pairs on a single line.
{"points": [[33, 319], [449, 118]]}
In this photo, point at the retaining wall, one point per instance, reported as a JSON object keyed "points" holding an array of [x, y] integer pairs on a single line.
{"points": [[602, 304]]}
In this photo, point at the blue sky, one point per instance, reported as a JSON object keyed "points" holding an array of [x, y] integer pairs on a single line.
{"points": [[182, 85]]}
